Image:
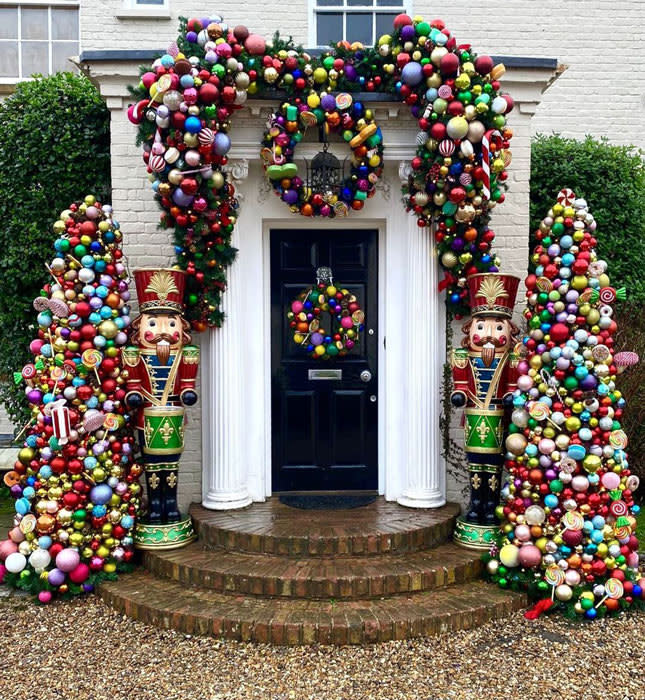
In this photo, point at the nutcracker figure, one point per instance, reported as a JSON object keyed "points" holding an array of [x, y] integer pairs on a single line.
{"points": [[162, 369], [484, 372]]}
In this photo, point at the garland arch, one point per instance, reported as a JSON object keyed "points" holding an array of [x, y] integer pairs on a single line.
{"points": [[184, 110]]}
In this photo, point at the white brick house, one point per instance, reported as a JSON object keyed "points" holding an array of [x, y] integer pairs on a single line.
{"points": [[228, 459]]}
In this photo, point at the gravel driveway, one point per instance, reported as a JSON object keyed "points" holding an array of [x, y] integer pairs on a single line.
{"points": [[82, 649]]}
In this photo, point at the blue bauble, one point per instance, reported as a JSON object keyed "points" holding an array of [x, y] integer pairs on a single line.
{"points": [[100, 494]]}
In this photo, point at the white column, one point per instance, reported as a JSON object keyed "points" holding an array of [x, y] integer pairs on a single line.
{"points": [[424, 483], [224, 469]]}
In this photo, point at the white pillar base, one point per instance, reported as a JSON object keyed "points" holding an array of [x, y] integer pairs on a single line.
{"points": [[226, 501], [429, 498]]}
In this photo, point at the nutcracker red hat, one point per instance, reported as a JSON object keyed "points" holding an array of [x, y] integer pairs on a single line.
{"points": [[160, 290], [492, 294]]}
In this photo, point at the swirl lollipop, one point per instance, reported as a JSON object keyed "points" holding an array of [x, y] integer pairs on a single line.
{"points": [[28, 373], [111, 421], [92, 358], [554, 576], [624, 360], [618, 439], [613, 589], [572, 520]]}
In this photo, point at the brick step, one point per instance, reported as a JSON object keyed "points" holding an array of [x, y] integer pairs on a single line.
{"points": [[169, 604], [272, 528], [341, 578]]}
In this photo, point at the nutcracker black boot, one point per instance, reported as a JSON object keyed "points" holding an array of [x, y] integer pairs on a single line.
{"points": [[491, 496], [475, 507], [153, 484], [169, 501]]}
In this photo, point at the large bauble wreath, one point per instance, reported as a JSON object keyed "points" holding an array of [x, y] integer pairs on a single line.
{"points": [[326, 320], [338, 114]]}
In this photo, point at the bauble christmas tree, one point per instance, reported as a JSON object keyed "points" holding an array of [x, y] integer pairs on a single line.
{"points": [[568, 511], [75, 481]]}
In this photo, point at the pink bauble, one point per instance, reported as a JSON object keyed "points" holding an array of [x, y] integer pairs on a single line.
{"points": [[3, 571], [7, 547], [67, 560], [524, 382], [255, 44], [572, 577], [546, 446], [80, 573], [45, 596], [16, 535], [523, 533], [610, 480], [296, 307], [633, 560], [580, 483], [346, 322], [530, 556]]}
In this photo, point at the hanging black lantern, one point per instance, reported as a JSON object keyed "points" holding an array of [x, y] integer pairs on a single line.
{"points": [[324, 172]]}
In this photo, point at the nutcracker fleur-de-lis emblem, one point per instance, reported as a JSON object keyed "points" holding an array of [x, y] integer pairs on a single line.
{"points": [[483, 429], [166, 430]]}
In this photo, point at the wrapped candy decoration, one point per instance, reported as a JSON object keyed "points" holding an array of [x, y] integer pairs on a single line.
{"points": [[571, 491], [75, 482]]}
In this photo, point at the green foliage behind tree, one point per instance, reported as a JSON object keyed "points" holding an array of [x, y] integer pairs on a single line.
{"points": [[54, 149], [612, 180]]}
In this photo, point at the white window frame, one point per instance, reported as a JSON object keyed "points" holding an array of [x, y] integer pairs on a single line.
{"points": [[135, 9], [49, 4], [314, 9]]}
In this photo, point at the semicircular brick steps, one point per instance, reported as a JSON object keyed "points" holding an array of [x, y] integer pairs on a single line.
{"points": [[269, 573]]}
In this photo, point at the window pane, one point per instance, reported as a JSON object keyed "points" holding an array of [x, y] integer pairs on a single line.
{"points": [[8, 23], [35, 57], [368, 3], [359, 28], [149, 2], [9, 59], [329, 27], [65, 23], [61, 51], [323, 3], [389, 3], [384, 23], [35, 23]]}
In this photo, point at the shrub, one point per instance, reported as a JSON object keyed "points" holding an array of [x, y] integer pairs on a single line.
{"points": [[612, 179], [631, 336], [54, 149]]}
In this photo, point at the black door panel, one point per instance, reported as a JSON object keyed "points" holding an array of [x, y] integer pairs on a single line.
{"points": [[324, 430]]}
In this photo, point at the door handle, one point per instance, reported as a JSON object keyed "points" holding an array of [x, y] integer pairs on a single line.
{"points": [[366, 375]]}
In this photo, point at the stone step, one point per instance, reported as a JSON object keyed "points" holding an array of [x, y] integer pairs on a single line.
{"points": [[197, 611], [272, 528], [340, 578]]}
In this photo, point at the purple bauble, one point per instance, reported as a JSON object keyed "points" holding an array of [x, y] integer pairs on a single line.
{"points": [[222, 143], [181, 198], [316, 338], [34, 396], [290, 196], [191, 37], [350, 73], [328, 103], [412, 73], [589, 383], [55, 577], [408, 33]]}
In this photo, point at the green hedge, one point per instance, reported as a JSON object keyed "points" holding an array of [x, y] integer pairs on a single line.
{"points": [[612, 180], [54, 149]]}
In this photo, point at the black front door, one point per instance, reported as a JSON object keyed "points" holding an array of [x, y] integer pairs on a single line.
{"points": [[324, 431]]}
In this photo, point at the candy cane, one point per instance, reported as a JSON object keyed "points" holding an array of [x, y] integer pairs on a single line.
{"points": [[495, 136], [60, 421]]}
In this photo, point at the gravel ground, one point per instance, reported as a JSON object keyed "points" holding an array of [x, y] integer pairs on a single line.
{"points": [[82, 649]]}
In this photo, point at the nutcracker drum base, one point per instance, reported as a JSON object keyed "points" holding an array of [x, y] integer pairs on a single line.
{"points": [[473, 535], [169, 536]]}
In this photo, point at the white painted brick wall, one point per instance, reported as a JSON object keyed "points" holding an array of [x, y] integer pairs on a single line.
{"points": [[600, 93]]}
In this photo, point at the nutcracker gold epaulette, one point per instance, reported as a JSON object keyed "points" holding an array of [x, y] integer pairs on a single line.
{"points": [[513, 359], [459, 358], [130, 356], [190, 354]]}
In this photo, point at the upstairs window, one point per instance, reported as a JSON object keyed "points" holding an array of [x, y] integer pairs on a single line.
{"points": [[352, 20], [37, 38]]}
